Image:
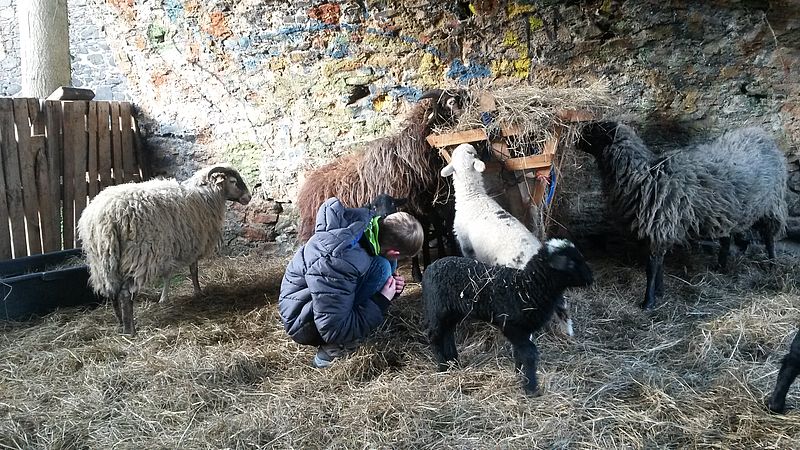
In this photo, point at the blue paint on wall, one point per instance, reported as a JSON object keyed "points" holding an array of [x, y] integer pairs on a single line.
{"points": [[174, 9], [406, 92], [463, 72]]}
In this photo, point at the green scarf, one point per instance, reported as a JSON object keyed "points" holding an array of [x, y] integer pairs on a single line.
{"points": [[372, 234]]}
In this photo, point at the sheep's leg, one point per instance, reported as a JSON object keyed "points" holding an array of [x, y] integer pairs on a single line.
{"points": [[416, 272], [164, 291], [195, 282], [769, 242], [561, 319], [789, 370], [466, 248], [660, 282], [655, 271], [443, 341], [526, 356], [724, 253], [741, 241], [126, 303], [117, 309]]}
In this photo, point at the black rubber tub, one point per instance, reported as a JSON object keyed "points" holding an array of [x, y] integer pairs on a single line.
{"points": [[30, 288]]}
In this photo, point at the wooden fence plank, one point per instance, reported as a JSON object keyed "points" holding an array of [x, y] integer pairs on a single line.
{"points": [[30, 196], [53, 113], [81, 156], [16, 210], [5, 230], [141, 158], [91, 125], [128, 151], [116, 144], [51, 232], [68, 173], [36, 113], [104, 144]]}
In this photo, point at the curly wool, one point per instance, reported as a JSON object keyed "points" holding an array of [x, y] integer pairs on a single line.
{"points": [[458, 287], [706, 191], [484, 230], [401, 165], [141, 232]]}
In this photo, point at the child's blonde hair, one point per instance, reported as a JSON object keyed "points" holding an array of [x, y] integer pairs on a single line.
{"points": [[402, 232]]}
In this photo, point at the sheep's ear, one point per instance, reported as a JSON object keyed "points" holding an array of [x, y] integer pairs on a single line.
{"points": [[479, 165], [447, 170], [217, 178], [560, 262]]}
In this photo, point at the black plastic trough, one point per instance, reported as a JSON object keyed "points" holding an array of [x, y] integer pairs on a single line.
{"points": [[29, 289]]}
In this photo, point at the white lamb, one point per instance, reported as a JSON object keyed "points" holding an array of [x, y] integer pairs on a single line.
{"points": [[484, 230], [137, 234]]}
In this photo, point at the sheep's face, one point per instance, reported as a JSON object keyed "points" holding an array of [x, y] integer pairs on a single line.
{"points": [[566, 259], [446, 106], [596, 136], [385, 204], [463, 159], [231, 184]]}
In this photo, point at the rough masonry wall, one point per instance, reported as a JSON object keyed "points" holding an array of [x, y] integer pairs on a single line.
{"points": [[266, 85], [93, 63]]}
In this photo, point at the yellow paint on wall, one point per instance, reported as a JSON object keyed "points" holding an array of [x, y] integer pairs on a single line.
{"points": [[517, 67], [535, 23], [515, 10]]}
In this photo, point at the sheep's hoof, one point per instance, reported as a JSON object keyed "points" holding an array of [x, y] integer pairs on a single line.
{"points": [[773, 406], [648, 305], [533, 393], [447, 365], [722, 268]]}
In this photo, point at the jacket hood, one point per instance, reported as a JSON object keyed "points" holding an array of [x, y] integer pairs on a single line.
{"points": [[338, 228]]}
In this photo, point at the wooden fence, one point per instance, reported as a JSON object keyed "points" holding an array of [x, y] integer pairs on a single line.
{"points": [[56, 156]]}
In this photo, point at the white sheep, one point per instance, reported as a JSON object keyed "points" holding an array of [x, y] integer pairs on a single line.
{"points": [[484, 230], [137, 234]]}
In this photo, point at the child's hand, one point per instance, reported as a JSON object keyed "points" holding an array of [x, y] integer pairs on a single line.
{"points": [[400, 283], [389, 288]]}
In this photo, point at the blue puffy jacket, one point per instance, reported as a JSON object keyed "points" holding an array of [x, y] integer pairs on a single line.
{"points": [[317, 302]]}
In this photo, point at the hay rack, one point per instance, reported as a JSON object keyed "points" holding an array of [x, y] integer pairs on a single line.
{"points": [[535, 171]]}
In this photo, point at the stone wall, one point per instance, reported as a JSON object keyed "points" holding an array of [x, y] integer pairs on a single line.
{"points": [[93, 62], [265, 85]]}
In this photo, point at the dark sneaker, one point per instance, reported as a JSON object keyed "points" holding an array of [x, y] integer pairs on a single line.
{"points": [[322, 359], [327, 353]]}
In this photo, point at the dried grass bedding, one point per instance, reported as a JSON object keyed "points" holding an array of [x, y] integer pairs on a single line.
{"points": [[219, 372]]}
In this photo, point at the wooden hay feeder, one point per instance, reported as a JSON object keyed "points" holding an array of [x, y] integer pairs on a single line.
{"points": [[534, 171]]}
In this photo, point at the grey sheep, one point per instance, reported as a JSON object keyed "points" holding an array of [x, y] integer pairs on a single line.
{"points": [[519, 302], [136, 234], [712, 191]]}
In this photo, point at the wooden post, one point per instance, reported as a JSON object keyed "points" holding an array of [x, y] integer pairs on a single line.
{"points": [[116, 144], [128, 156], [27, 171], [104, 144], [51, 231], [91, 126], [5, 230], [81, 156]]}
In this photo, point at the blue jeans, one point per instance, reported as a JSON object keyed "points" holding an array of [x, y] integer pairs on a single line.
{"points": [[379, 271]]}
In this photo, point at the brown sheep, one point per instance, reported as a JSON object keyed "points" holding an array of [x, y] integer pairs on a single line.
{"points": [[400, 165]]}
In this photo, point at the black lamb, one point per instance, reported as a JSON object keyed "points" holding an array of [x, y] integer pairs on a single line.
{"points": [[519, 302], [711, 191], [789, 370]]}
